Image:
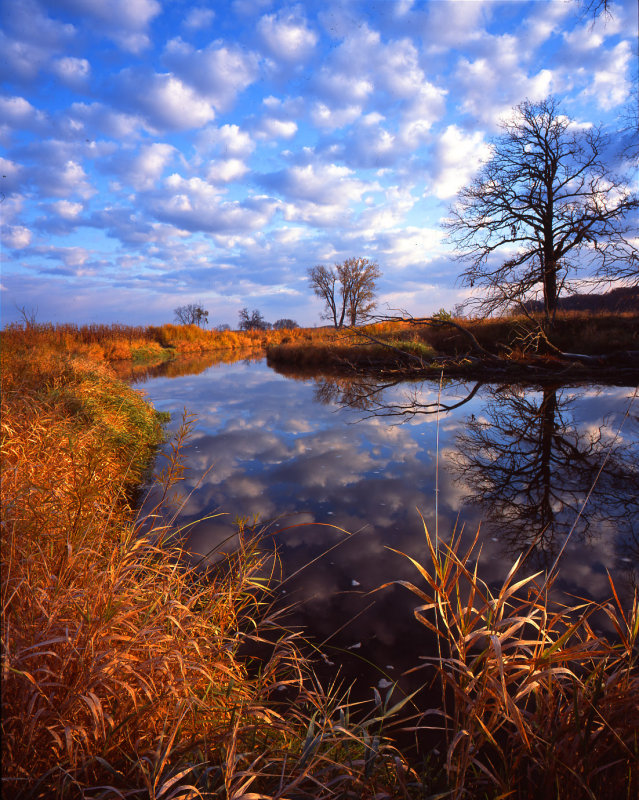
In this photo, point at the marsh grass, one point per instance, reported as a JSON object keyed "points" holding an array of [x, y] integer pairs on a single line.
{"points": [[122, 674], [534, 702], [123, 666]]}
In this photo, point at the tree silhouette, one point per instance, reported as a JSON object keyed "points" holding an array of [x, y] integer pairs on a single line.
{"points": [[548, 201], [348, 289], [191, 314], [531, 467]]}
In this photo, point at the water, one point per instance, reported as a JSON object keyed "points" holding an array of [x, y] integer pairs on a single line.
{"points": [[325, 463]]}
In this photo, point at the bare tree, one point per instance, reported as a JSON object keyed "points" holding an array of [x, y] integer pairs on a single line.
{"points": [[348, 289], [358, 278], [284, 324], [548, 201], [191, 314], [253, 321]]}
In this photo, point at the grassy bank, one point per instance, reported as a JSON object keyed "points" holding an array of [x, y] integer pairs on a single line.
{"points": [[123, 673], [501, 346], [151, 344]]}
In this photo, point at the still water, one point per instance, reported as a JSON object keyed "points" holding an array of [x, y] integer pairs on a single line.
{"points": [[360, 468]]}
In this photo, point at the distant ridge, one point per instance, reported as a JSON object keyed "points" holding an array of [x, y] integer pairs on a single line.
{"points": [[625, 298]]}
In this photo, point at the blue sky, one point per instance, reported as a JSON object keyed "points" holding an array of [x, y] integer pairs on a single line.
{"points": [[161, 152]]}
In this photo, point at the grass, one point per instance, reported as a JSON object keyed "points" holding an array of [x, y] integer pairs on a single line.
{"points": [[125, 671], [534, 702], [122, 674]]}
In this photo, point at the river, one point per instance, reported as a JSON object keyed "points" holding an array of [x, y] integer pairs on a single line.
{"points": [[344, 476]]}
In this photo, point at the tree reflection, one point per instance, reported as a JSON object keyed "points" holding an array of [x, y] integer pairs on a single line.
{"points": [[526, 462], [531, 467], [366, 393]]}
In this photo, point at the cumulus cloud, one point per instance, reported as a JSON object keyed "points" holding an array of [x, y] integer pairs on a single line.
{"points": [[11, 175], [15, 237], [100, 119], [72, 71], [217, 72], [67, 209], [226, 170], [287, 36], [17, 112], [124, 21], [611, 86], [195, 205], [228, 140], [484, 92], [324, 184], [271, 128], [457, 157], [199, 18], [30, 39], [330, 119], [145, 169], [164, 100]]}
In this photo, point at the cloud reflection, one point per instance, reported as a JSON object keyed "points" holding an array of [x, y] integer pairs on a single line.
{"points": [[292, 455]]}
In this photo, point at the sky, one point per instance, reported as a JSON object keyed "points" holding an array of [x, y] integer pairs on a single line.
{"points": [[162, 152]]}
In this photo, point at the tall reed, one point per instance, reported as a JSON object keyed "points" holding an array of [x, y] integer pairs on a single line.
{"points": [[535, 703], [124, 665]]}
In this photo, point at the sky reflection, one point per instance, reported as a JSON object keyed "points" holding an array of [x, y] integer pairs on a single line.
{"points": [[288, 454]]}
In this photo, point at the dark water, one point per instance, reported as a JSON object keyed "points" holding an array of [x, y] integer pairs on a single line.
{"points": [[325, 462]]}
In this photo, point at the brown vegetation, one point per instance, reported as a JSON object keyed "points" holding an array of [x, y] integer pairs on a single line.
{"points": [[122, 666]]}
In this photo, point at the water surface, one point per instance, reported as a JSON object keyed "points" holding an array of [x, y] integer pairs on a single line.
{"points": [[326, 463]]}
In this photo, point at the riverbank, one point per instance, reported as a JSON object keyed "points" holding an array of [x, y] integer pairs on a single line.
{"points": [[121, 670], [585, 346], [122, 673]]}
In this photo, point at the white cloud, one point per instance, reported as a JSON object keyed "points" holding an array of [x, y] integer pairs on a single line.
{"points": [[229, 140], [72, 71], [457, 157], [166, 102], [15, 237], [146, 168], [193, 204], [124, 21], [325, 184], [199, 18], [451, 23], [333, 118], [271, 128], [217, 72], [226, 170], [496, 81], [11, 174], [62, 180], [67, 210], [610, 85], [16, 111], [287, 36], [99, 119]]}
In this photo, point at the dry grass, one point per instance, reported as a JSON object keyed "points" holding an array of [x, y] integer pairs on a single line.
{"points": [[125, 670], [534, 702], [112, 343], [122, 674]]}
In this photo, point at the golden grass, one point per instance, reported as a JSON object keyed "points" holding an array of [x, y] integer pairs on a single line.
{"points": [[121, 668], [125, 670], [534, 702]]}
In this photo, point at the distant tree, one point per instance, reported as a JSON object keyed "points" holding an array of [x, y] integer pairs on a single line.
{"points": [[348, 289], [224, 326], [253, 321], [547, 200], [191, 314], [284, 324]]}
